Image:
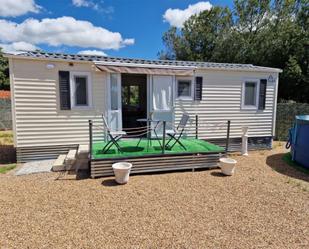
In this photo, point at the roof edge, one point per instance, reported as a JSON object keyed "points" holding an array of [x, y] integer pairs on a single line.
{"points": [[212, 65], [12, 56]]}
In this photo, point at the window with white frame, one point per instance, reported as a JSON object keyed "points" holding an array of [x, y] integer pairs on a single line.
{"points": [[250, 94], [81, 90], [184, 89]]}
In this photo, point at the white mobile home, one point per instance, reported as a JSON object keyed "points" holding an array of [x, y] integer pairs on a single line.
{"points": [[54, 95]]}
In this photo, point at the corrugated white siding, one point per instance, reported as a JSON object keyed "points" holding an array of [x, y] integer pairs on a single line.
{"points": [[39, 120], [222, 93]]}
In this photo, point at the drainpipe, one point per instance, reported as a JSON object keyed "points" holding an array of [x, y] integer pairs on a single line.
{"points": [[244, 143]]}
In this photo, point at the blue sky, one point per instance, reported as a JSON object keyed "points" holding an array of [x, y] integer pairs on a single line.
{"points": [[136, 26]]}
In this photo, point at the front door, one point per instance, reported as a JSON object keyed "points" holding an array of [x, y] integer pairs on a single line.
{"points": [[134, 99]]}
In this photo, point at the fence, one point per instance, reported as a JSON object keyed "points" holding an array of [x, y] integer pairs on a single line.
{"points": [[99, 133], [5, 114], [286, 113]]}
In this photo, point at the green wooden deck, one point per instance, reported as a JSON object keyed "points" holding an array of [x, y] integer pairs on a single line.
{"points": [[146, 147]]}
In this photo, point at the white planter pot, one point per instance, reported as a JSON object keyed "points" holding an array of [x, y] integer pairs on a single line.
{"points": [[227, 166], [122, 172]]}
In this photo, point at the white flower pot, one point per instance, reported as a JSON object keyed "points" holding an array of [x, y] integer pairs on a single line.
{"points": [[227, 166], [122, 172]]}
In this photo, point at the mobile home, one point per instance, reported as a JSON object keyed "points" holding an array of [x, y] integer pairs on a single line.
{"points": [[54, 95]]}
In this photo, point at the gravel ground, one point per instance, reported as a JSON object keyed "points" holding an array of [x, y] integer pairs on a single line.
{"points": [[265, 205]]}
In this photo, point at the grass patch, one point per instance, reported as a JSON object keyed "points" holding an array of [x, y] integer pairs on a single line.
{"points": [[4, 169], [304, 186], [288, 159], [6, 137], [131, 150]]}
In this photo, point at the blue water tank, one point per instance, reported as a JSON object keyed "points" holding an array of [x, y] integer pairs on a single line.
{"points": [[299, 138]]}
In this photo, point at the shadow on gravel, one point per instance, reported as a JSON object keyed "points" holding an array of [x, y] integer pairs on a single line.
{"points": [[276, 163], [82, 175], [109, 183], [67, 176], [218, 174]]}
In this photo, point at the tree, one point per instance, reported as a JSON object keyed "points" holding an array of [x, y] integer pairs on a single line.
{"points": [[4, 73], [200, 36], [260, 32]]}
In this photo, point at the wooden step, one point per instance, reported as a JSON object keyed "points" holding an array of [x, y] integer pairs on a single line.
{"points": [[59, 164]]}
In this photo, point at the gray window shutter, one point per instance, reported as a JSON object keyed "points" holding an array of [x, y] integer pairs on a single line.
{"points": [[262, 95], [198, 88], [64, 88]]}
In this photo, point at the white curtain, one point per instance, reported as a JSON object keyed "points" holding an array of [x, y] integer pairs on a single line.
{"points": [[162, 93]]}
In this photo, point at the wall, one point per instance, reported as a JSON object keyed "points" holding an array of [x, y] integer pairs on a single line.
{"points": [[4, 94], [221, 101], [38, 118]]}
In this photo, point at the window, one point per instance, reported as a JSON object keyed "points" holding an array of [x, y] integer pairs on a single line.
{"points": [[184, 89], [81, 91], [250, 97]]}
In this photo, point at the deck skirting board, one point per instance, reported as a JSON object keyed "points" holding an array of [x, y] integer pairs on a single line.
{"points": [[26, 154], [254, 143], [99, 168]]}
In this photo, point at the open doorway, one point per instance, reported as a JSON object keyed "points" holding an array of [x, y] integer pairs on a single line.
{"points": [[134, 99]]}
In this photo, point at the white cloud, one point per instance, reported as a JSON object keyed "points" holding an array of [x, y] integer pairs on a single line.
{"points": [[61, 31], [85, 3], [15, 8], [92, 52], [177, 17], [93, 5], [17, 46], [80, 3], [128, 41]]}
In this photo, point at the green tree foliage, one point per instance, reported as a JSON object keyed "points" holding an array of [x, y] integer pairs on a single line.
{"points": [[4, 73], [261, 32]]}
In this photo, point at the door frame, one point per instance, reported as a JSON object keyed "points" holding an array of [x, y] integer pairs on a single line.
{"points": [[108, 100], [149, 86]]}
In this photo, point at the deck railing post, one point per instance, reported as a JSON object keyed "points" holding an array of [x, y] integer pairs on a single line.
{"points": [[90, 139], [163, 142], [244, 141], [227, 136], [196, 126]]}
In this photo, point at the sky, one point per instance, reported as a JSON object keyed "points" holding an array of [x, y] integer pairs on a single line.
{"points": [[122, 28]]}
